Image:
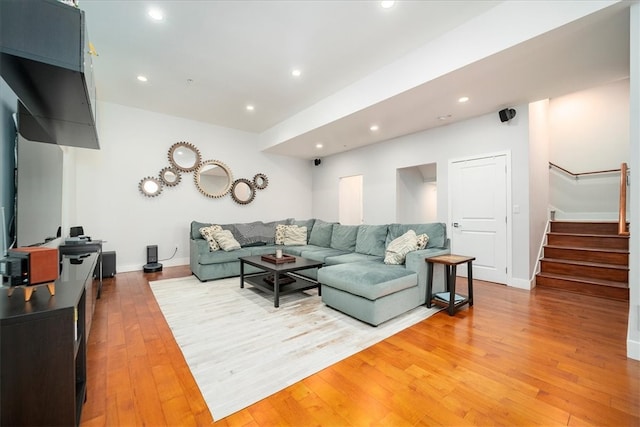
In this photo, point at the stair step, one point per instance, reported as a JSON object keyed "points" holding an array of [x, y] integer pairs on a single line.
{"points": [[586, 270], [605, 256], [588, 241], [585, 227], [595, 287]]}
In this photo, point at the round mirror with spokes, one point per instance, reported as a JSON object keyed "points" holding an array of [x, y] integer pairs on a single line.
{"points": [[170, 176], [184, 156], [243, 191], [260, 181], [150, 186], [213, 178]]}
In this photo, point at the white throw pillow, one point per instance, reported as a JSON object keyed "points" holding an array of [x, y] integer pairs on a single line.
{"points": [[423, 239], [226, 241], [207, 233], [399, 248], [295, 235]]}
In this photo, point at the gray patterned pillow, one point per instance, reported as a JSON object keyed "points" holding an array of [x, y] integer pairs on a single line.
{"points": [[399, 248], [423, 239], [226, 241], [294, 235], [207, 233], [280, 230]]}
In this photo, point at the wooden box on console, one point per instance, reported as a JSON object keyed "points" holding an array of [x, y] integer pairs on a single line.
{"points": [[42, 263]]}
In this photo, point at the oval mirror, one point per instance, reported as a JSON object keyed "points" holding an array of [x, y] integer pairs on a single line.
{"points": [[184, 156], [213, 178], [150, 186], [170, 176], [243, 191], [260, 181]]}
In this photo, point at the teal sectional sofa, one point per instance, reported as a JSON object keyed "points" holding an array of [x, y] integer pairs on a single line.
{"points": [[354, 279]]}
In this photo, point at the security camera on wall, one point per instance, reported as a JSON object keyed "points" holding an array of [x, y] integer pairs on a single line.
{"points": [[317, 162]]}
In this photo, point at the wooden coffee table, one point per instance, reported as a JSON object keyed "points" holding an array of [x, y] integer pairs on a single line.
{"points": [[281, 279]]}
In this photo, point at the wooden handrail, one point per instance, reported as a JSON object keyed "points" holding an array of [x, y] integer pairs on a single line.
{"points": [[577, 175], [622, 211]]}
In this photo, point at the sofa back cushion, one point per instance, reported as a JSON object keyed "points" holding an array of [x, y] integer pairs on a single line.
{"points": [[371, 239], [437, 232], [321, 233], [343, 237], [195, 229]]}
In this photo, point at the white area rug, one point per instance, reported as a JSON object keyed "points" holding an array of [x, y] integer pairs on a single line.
{"points": [[241, 349]]}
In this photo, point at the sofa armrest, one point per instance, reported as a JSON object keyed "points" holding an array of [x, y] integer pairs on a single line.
{"points": [[196, 248], [415, 261]]}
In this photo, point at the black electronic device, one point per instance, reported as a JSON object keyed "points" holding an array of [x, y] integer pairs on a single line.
{"points": [[108, 265], [11, 270], [506, 114], [152, 264], [152, 254]]}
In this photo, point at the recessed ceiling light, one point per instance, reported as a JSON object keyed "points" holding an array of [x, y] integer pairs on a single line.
{"points": [[463, 99], [387, 4], [296, 72], [156, 14], [374, 128], [447, 117], [250, 107], [318, 145], [142, 78]]}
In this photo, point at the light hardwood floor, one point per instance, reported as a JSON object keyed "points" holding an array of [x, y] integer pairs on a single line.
{"points": [[516, 358]]}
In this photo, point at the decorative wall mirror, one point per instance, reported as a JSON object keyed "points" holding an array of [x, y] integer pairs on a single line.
{"points": [[260, 181], [170, 176], [243, 191], [184, 156], [213, 178], [150, 186]]}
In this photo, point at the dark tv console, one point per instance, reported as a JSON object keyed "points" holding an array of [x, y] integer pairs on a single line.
{"points": [[43, 349]]}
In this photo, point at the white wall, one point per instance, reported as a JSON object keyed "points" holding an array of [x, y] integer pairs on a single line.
{"points": [[417, 199], [633, 335], [589, 131], [134, 144], [538, 178], [378, 164], [582, 123]]}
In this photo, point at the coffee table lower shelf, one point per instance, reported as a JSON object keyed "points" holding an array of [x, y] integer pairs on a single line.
{"points": [[299, 284]]}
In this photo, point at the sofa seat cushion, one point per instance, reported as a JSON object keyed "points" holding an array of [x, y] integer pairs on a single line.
{"points": [[321, 254], [370, 279], [219, 257], [352, 257], [297, 250], [262, 250]]}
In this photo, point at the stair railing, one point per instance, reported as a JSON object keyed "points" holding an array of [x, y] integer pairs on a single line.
{"points": [[578, 175], [622, 209], [624, 182]]}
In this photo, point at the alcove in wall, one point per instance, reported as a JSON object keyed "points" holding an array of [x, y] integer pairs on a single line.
{"points": [[416, 195]]}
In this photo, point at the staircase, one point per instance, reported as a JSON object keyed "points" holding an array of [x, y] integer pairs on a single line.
{"points": [[589, 258]]}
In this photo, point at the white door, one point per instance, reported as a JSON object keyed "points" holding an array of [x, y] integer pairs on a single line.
{"points": [[350, 200], [478, 215]]}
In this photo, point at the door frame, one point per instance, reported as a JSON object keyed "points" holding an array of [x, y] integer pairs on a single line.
{"points": [[509, 210]]}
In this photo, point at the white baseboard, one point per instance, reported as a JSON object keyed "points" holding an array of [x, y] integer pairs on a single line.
{"points": [[521, 283], [138, 267], [633, 349]]}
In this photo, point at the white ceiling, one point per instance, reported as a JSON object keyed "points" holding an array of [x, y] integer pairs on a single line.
{"points": [[242, 52]]}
